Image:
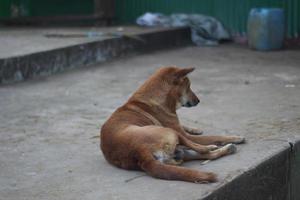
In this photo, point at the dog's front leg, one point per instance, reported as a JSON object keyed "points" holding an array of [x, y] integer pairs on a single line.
{"points": [[210, 139], [196, 147], [216, 139], [193, 131], [184, 140]]}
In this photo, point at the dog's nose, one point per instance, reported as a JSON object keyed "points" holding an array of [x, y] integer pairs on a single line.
{"points": [[192, 103], [188, 104], [195, 102]]}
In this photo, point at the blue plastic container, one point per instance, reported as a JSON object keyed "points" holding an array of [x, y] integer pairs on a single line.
{"points": [[266, 28]]}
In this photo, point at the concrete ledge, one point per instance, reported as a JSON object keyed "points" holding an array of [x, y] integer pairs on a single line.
{"points": [[270, 179], [57, 60], [295, 171]]}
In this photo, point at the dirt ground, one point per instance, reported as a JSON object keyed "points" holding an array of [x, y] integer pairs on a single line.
{"points": [[49, 147]]}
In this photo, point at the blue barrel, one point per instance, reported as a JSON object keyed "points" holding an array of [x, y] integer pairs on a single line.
{"points": [[266, 28]]}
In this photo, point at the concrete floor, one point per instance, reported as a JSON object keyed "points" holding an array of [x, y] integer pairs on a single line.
{"points": [[48, 127]]}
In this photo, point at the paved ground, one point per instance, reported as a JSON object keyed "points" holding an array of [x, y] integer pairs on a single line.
{"points": [[48, 148], [21, 41]]}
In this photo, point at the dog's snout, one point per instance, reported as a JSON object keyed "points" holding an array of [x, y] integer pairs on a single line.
{"points": [[191, 103], [193, 100]]}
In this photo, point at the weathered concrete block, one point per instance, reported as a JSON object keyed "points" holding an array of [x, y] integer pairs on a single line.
{"points": [[268, 180], [295, 171], [54, 61]]}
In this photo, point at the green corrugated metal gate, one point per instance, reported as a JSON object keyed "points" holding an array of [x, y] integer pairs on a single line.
{"points": [[233, 13], [14, 8]]}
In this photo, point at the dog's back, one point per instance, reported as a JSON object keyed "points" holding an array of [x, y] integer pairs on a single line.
{"points": [[119, 148]]}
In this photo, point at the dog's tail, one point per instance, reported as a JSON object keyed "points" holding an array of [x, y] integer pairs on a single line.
{"points": [[171, 172]]}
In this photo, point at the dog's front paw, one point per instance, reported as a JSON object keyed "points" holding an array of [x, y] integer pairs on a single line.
{"points": [[195, 131], [238, 140]]}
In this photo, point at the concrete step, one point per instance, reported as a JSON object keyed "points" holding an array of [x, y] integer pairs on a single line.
{"points": [[48, 143], [45, 52]]}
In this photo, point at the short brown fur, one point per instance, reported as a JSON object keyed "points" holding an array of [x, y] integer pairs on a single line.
{"points": [[145, 133]]}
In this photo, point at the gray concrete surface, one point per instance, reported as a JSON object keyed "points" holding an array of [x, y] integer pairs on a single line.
{"points": [[18, 41], [48, 127], [30, 53]]}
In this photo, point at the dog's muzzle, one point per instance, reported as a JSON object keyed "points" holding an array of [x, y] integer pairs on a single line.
{"points": [[191, 103]]}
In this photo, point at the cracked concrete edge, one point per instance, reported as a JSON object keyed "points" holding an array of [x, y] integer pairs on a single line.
{"points": [[271, 178], [53, 61], [295, 170]]}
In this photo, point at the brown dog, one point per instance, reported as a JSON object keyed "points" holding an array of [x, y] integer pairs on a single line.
{"points": [[145, 133]]}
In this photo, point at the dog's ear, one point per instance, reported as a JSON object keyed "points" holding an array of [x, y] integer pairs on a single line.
{"points": [[180, 73]]}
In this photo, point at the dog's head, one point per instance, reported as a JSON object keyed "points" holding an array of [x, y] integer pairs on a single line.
{"points": [[179, 86]]}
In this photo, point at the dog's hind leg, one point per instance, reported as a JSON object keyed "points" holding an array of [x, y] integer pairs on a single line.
{"points": [[161, 170], [186, 154], [196, 147]]}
